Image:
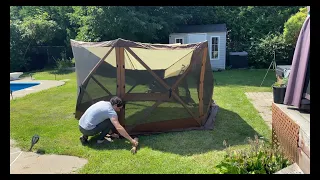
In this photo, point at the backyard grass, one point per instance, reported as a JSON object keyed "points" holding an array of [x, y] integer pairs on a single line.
{"points": [[50, 115]]}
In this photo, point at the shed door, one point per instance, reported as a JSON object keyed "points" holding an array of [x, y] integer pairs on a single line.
{"points": [[195, 38]]}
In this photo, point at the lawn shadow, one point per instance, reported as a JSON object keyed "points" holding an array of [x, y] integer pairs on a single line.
{"points": [[228, 126]]}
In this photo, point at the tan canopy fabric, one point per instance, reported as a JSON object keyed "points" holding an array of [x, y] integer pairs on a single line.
{"points": [[169, 57], [157, 59], [155, 80]]}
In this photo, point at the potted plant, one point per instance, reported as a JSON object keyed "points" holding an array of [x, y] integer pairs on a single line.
{"points": [[279, 90]]}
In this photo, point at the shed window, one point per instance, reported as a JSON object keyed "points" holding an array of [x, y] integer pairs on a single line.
{"points": [[214, 47], [179, 40]]}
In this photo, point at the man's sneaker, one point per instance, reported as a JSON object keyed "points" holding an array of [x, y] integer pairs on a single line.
{"points": [[84, 139], [100, 141], [114, 135]]}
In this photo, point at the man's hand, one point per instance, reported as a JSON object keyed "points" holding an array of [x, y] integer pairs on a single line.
{"points": [[122, 131], [134, 142], [134, 145]]}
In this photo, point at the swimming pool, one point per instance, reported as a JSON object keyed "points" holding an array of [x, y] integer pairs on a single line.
{"points": [[16, 86]]}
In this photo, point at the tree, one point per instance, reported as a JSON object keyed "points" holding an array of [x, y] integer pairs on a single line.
{"points": [[56, 25], [17, 46], [293, 26]]}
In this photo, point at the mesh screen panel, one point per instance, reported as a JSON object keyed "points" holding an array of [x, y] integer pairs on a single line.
{"points": [[135, 111], [140, 112], [189, 93], [168, 111], [85, 98], [207, 86], [85, 102], [106, 73], [94, 90], [101, 84], [141, 82]]}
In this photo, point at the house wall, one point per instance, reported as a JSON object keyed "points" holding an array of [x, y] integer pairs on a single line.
{"points": [[220, 63]]}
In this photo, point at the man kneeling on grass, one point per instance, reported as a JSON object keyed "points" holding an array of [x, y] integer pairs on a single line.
{"points": [[102, 118]]}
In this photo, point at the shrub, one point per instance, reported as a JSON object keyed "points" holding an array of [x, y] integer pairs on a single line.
{"points": [[269, 47], [73, 61], [281, 83], [260, 158], [63, 63], [293, 26], [18, 47]]}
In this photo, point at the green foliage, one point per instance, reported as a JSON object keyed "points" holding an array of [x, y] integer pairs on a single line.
{"points": [[73, 61], [56, 25], [63, 63], [39, 28], [281, 83], [285, 81], [293, 26], [32, 26], [247, 25], [269, 47], [18, 44], [144, 24], [278, 84], [260, 158]]}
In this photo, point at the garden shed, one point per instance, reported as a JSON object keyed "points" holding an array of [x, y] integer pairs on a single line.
{"points": [[215, 34]]}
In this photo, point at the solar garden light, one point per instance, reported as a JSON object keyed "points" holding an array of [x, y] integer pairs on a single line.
{"points": [[34, 140], [11, 94], [31, 75]]}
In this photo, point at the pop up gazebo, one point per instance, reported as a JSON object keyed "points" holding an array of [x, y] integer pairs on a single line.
{"points": [[165, 87]]}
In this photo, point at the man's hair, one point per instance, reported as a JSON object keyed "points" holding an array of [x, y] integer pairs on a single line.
{"points": [[116, 101]]}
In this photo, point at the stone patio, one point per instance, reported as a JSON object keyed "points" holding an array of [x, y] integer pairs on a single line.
{"points": [[262, 101], [22, 162], [292, 169]]}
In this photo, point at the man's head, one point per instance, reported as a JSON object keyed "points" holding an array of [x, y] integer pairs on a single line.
{"points": [[116, 103]]}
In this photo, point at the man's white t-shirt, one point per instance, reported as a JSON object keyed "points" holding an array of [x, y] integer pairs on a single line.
{"points": [[97, 113]]}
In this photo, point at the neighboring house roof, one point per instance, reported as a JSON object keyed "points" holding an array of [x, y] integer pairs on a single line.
{"points": [[201, 28]]}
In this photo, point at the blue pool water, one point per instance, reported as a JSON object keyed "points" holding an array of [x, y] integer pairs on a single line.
{"points": [[16, 86]]}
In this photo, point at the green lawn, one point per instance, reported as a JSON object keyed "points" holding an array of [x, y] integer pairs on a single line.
{"points": [[50, 115]]}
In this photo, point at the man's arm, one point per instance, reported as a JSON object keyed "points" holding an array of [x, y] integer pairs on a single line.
{"points": [[121, 130]]}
